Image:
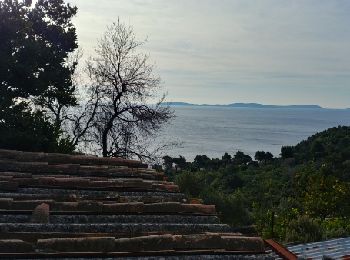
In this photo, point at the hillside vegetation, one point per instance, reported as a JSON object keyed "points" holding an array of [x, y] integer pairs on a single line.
{"points": [[301, 196]]}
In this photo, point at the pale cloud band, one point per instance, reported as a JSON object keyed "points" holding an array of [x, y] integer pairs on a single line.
{"points": [[210, 51]]}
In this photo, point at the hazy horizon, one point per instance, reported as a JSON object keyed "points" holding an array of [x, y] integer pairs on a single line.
{"points": [[214, 131], [269, 52], [257, 103]]}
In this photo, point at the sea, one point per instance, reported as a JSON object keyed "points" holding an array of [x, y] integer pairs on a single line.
{"points": [[214, 130]]}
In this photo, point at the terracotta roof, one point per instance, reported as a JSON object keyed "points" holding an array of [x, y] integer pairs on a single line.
{"points": [[56, 205]]}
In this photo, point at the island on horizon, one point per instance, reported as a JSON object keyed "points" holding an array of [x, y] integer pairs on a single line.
{"points": [[245, 105]]}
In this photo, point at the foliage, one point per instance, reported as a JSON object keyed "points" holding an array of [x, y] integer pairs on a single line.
{"points": [[287, 152], [201, 184], [34, 47], [22, 129], [230, 207], [300, 197], [303, 229], [190, 183], [262, 156], [35, 42], [332, 146], [38, 53]]}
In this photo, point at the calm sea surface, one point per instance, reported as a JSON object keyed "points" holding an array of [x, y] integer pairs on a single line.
{"points": [[216, 130]]}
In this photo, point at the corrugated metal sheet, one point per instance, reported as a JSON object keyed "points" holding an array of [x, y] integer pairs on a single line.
{"points": [[335, 249]]}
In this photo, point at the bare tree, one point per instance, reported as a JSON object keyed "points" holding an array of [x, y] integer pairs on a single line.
{"points": [[127, 109], [79, 121]]}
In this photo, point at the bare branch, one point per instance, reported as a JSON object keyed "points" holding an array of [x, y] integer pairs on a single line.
{"points": [[123, 117]]}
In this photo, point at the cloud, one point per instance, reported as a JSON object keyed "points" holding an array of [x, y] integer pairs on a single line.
{"points": [[248, 49]]}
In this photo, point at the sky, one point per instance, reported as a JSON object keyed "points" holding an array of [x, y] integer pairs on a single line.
{"points": [[225, 51]]}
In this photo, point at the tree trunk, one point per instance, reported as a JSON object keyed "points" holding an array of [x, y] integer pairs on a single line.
{"points": [[105, 135], [104, 144]]}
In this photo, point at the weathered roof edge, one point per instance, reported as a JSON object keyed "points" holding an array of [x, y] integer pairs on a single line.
{"points": [[55, 158]]}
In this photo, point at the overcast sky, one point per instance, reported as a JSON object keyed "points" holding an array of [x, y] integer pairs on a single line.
{"points": [[221, 51]]}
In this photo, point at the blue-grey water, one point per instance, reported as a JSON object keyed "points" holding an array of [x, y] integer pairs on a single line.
{"points": [[215, 130]]}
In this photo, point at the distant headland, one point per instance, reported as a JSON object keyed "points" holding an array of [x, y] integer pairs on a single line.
{"points": [[245, 105]]}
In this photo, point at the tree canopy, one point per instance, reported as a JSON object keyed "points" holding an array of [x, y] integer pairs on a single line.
{"points": [[35, 42], [299, 197], [39, 104], [35, 76]]}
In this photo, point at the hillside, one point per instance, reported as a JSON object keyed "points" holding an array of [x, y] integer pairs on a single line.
{"points": [[331, 146], [299, 197]]}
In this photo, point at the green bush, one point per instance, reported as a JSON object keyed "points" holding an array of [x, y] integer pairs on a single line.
{"points": [[23, 130], [189, 183], [232, 208], [304, 229], [336, 227]]}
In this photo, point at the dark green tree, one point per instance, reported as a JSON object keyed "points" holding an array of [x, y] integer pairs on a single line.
{"points": [[260, 156], [35, 75], [34, 46], [31, 131], [226, 158], [268, 157], [180, 162], [317, 149], [167, 162], [201, 161], [287, 152], [242, 158]]}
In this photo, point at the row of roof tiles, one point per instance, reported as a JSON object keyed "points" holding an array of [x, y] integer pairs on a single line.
{"points": [[55, 205]]}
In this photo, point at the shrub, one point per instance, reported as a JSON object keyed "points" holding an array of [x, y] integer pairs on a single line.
{"points": [[304, 229]]}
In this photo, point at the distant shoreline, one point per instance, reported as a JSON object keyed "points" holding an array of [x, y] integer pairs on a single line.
{"points": [[250, 105]]}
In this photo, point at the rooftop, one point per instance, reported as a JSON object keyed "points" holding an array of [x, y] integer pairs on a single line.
{"points": [[56, 205], [331, 249]]}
